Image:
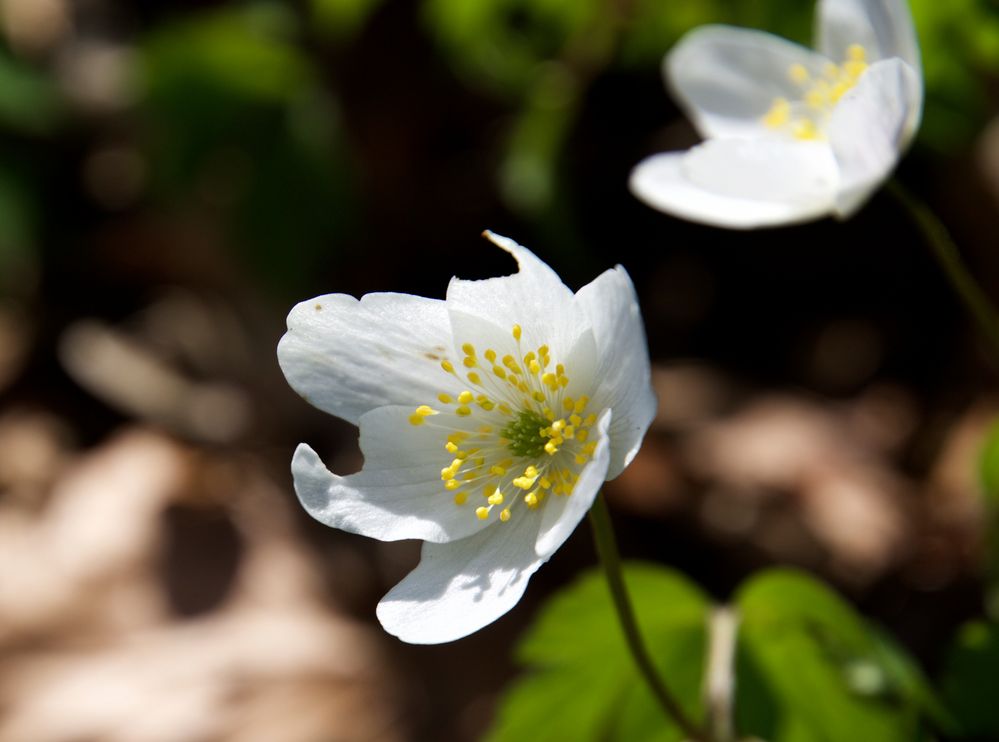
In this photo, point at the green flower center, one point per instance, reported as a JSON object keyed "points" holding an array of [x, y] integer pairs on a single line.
{"points": [[525, 434]]}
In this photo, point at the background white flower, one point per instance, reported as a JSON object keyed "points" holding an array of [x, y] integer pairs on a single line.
{"points": [[792, 134], [488, 423]]}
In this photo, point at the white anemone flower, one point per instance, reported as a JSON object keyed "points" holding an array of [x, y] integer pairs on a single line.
{"points": [[791, 134], [488, 423]]}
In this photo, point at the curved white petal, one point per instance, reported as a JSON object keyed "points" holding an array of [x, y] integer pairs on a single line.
{"points": [[347, 356], [741, 184], [869, 128], [623, 374], [883, 27], [398, 494], [562, 514], [727, 78], [534, 298], [459, 587]]}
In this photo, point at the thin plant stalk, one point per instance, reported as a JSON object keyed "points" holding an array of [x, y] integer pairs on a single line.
{"points": [[975, 301], [603, 536]]}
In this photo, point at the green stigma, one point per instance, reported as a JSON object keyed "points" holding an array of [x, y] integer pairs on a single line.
{"points": [[524, 434]]}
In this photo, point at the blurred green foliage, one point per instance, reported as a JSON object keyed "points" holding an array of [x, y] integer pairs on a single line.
{"points": [[969, 681], [236, 113], [988, 470], [808, 667]]}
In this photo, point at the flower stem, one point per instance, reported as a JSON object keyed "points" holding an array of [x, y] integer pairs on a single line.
{"points": [[945, 251], [719, 679], [603, 536]]}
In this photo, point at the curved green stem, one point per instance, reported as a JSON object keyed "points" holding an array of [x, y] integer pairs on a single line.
{"points": [[945, 251], [603, 536]]}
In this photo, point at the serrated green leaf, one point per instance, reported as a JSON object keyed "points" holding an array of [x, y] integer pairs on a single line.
{"points": [[581, 683]]}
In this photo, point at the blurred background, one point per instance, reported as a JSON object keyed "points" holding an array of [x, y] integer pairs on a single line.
{"points": [[174, 176]]}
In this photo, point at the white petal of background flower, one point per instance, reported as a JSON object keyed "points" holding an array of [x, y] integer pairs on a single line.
{"points": [[741, 184], [883, 27], [347, 356], [727, 78], [623, 378], [869, 127], [747, 90]]}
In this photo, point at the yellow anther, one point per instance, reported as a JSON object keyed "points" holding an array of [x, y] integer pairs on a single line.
{"points": [[474, 378], [487, 405], [580, 404], [798, 73], [582, 435], [590, 419], [538, 397], [465, 397], [470, 362], [468, 349], [534, 367], [490, 355], [496, 498], [505, 515], [831, 71], [590, 448], [543, 350], [524, 483], [856, 53], [816, 98], [420, 413], [549, 414], [568, 403], [452, 484], [416, 419], [854, 69], [481, 513], [485, 429], [546, 483], [497, 470], [531, 498], [805, 130], [550, 380], [499, 372], [778, 115], [451, 447], [530, 356], [504, 408], [550, 448], [563, 381], [463, 411], [516, 332], [575, 420], [468, 476], [581, 458], [460, 498], [531, 471], [447, 366], [447, 473], [558, 425], [569, 431], [445, 398]]}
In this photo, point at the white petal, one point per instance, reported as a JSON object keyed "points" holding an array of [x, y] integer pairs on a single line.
{"points": [[883, 27], [347, 356], [534, 298], [727, 78], [623, 374], [562, 514], [869, 128], [741, 184], [459, 587], [398, 494]]}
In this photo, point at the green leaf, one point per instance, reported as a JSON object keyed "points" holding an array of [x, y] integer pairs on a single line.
{"points": [[581, 682], [30, 102], [819, 671], [988, 473], [969, 680]]}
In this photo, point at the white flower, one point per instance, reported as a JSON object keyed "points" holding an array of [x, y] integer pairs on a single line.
{"points": [[792, 134], [488, 422]]}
